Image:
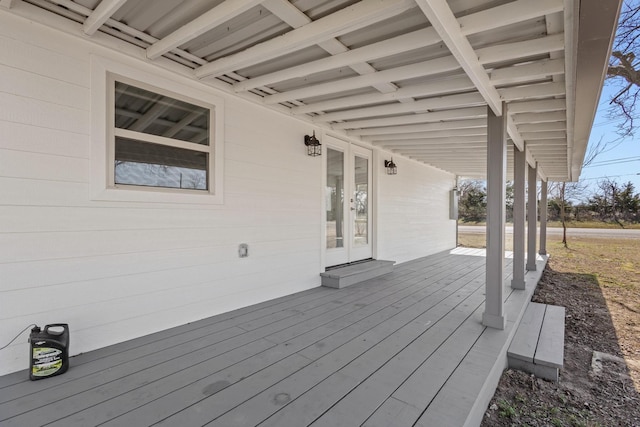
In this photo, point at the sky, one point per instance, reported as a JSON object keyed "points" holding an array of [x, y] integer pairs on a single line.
{"points": [[621, 162]]}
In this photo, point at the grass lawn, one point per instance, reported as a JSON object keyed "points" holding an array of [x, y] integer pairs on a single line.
{"points": [[574, 224], [613, 263]]}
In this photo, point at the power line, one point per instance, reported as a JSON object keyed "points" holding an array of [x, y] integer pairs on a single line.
{"points": [[607, 176], [621, 158], [637, 159]]}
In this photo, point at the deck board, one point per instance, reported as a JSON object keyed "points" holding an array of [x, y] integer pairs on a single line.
{"points": [[395, 349]]}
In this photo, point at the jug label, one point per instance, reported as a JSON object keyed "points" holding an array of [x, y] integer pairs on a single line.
{"points": [[46, 361]]}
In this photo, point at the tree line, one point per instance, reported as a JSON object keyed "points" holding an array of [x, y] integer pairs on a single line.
{"points": [[609, 202]]}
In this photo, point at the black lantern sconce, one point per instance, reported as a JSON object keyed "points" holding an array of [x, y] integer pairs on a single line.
{"points": [[314, 148], [392, 169]]}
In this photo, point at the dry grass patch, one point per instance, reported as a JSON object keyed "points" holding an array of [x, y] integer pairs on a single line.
{"points": [[598, 281], [615, 264]]}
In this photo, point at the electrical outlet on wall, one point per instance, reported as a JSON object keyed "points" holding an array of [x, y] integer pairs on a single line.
{"points": [[243, 250]]}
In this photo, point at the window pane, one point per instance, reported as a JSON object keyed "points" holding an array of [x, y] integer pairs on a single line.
{"points": [[335, 199], [361, 197], [144, 111], [152, 165]]}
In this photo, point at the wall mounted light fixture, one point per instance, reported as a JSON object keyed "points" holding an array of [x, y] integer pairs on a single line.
{"points": [[314, 148], [392, 169]]}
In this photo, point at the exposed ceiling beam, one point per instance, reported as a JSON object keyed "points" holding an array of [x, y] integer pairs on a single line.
{"points": [[510, 13], [293, 16], [539, 46], [542, 127], [100, 14], [8, 4], [441, 86], [459, 152], [560, 135], [440, 103], [540, 90], [349, 19], [130, 34], [442, 19], [550, 153], [426, 68], [470, 24], [200, 25], [399, 44], [437, 87], [461, 113], [463, 156], [424, 127], [512, 131], [441, 158], [433, 134], [556, 116], [527, 72], [547, 142], [404, 72], [465, 159], [537, 106], [427, 142]]}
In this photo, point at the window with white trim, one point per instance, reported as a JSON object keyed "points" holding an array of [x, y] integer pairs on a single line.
{"points": [[159, 139], [156, 136]]}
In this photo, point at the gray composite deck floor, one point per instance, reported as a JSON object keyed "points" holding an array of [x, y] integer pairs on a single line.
{"points": [[404, 349]]}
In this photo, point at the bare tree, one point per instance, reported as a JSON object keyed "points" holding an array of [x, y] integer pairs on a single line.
{"points": [[564, 193], [624, 67]]}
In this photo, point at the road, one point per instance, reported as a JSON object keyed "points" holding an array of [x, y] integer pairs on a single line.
{"points": [[618, 233]]}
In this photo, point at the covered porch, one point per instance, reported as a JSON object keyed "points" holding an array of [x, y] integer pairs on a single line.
{"points": [[492, 89], [405, 349]]}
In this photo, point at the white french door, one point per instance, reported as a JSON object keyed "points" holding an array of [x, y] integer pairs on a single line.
{"points": [[348, 202]]}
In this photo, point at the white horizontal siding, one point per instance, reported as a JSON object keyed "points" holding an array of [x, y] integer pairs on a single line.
{"points": [[33, 139], [19, 164], [117, 270], [22, 47], [413, 212], [28, 84], [44, 114]]}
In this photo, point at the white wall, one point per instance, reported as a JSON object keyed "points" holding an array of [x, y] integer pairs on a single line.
{"points": [[413, 211], [117, 270]]}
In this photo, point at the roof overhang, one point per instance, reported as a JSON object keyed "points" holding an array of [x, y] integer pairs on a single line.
{"points": [[594, 42], [413, 77]]}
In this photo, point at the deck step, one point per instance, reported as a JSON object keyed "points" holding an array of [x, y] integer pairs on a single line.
{"points": [[355, 273], [538, 344]]}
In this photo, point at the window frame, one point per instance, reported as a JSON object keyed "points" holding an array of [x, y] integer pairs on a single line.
{"points": [[103, 187]]}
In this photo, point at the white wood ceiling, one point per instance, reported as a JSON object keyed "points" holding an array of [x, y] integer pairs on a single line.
{"points": [[411, 76]]}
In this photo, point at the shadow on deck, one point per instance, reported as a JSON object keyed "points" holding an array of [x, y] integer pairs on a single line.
{"points": [[404, 349]]}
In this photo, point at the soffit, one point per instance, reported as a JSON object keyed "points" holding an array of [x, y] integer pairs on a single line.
{"points": [[379, 70]]}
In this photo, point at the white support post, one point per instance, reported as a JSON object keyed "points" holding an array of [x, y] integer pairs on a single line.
{"points": [[493, 315], [532, 218], [519, 172], [543, 217]]}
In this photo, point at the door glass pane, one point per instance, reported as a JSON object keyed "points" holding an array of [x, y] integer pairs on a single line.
{"points": [[361, 202], [335, 199]]}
